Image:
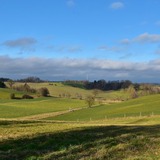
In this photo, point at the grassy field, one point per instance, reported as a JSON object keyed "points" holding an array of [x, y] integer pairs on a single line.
{"points": [[21, 108], [54, 128], [144, 106], [5, 93], [22, 140], [56, 89]]}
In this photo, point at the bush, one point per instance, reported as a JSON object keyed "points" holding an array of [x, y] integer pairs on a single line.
{"points": [[90, 100], [2, 85], [43, 92], [26, 96], [24, 88], [12, 96]]}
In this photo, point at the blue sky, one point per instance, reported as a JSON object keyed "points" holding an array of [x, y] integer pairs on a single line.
{"points": [[75, 39]]}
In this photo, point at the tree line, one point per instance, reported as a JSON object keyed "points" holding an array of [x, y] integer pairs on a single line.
{"points": [[102, 84], [32, 79]]}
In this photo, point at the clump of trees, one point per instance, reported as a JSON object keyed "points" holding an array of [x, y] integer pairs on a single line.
{"points": [[31, 79], [146, 89], [100, 84], [26, 96], [4, 79], [133, 93], [74, 83], [24, 88], [110, 85], [43, 92], [2, 84]]}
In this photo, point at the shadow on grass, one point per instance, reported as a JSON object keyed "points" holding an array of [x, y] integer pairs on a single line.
{"points": [[104, 142]]}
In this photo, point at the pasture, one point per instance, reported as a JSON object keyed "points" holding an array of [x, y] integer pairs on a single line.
{"points": [[61, 128], [144, 106], [27, 140], [22, 108]]}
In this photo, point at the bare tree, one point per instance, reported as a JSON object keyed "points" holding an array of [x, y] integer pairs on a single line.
{"points": [[95, 92], [131, 90], [10, 83], [90, 100]]}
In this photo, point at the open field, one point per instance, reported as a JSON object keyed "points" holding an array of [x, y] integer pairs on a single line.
{"points": [[24, 140], [53, 128], [58, 88], [5, 93], [144, 106], [21, 108], [49, 106]]}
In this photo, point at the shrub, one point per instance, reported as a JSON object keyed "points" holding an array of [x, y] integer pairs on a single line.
{"points": [[26, 96], [43, 92], [90, 100], [25, 88], [2, 85], [12, 96]]}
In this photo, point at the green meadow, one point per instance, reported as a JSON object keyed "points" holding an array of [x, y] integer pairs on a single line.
{"points": [[21, 108], [61, 128], [144, 106]]}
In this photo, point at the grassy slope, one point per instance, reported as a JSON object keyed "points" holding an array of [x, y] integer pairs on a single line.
{"points": [[20, 108], [59, 88], [145, 106], [5, 93], [62, 141], [46, 140]]}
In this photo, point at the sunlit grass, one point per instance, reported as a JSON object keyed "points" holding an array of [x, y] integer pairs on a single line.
{"points": [[42, 140], [20, 108], [144, 106]]}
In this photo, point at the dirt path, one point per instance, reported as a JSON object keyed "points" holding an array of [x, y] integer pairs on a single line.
{"points": [[47, 115]]}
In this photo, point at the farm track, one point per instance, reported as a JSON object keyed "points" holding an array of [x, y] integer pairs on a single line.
{"points": [[44, 115]]}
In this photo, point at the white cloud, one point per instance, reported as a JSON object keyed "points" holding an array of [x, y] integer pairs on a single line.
{"points": [[67, 68], [148, 38], [117, 5]]}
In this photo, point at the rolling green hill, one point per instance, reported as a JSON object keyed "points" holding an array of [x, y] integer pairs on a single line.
{"points": [[5, 93], [148, 105], [126, 130], [21, 108], [58, 88]]}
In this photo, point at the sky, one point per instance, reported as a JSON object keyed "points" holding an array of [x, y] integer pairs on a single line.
{"points": [[80, 39]]}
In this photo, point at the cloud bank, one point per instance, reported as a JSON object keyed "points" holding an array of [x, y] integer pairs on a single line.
{"points": [[67, 68]]}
